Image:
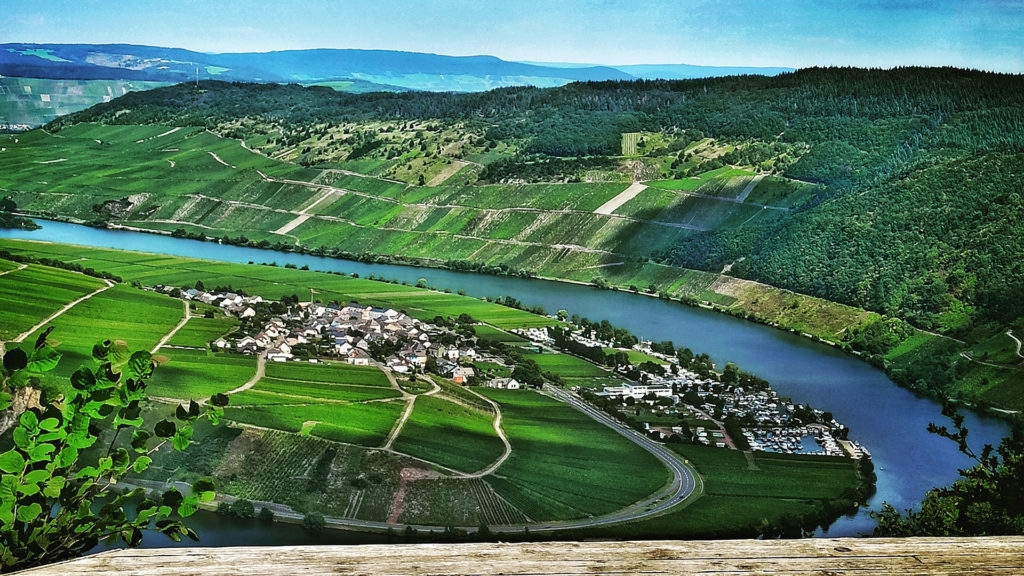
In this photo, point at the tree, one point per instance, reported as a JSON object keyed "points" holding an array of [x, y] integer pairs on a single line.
{"points": [[57, 495], [8, 205], [313, 522], [987, 499]]}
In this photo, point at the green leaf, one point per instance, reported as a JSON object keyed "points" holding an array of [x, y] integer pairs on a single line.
{"points": [[140, 364], [140, 438], [141, 463], [121, 460], [183, 438], [164, 429], [202, 485], [83, 379], [41, 339], [8, 496], [172, 498], [29, 489], [15, 359], [36, 476], [12, 462], [207, 496], [29, 513], [101, 350], [5, 400], [53, 487], [43, 360], [67, 457], [29, 420], [21, 438], [219, 400], [49, 424], [40, 452], [188, 506]]}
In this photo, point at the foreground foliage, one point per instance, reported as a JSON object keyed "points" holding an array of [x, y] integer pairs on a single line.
{"points": [[987, 500], [58, 492]]}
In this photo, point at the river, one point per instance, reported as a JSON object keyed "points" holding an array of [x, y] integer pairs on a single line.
{"points": [[889, 421]]}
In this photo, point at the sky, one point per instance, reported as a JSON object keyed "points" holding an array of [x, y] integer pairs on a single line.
{"points": [[982, 34]]}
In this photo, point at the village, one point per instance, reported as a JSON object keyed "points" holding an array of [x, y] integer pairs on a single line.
{"points": [[767, 421], [358, 335], [698, 406]]}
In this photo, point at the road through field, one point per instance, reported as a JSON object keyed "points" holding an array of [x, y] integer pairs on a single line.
{"points": [[179, 326], [56, 314], [21, 267], [501, 434], [621, 198], [261, 370]]}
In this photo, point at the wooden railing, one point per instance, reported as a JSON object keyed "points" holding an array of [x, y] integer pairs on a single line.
{"points": [[905, 557]]}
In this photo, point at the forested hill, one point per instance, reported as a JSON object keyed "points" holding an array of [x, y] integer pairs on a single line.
{"points": [[919, 213]]}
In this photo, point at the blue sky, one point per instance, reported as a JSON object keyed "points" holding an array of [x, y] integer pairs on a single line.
{"points": [[979, 34]]}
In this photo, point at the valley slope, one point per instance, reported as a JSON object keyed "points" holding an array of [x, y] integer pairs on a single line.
{"points": [[887, 201]]}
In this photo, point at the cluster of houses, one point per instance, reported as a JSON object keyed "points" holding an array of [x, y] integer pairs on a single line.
{"points": [[348, 332], [235, 304], [774, 429]]}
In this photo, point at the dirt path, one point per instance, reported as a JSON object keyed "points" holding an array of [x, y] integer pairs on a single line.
{"points": [[501, 434], [53, 316], [621, 198], [303, 214], [1017, 340], [448, 171], [21, 267], [179, 326], [217, 158], [750, 188], [261, 370]]}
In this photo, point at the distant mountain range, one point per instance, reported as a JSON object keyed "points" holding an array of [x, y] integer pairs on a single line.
{"points": [[353, 70]]}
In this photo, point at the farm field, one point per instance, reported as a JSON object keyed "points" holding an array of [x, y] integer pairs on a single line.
{"points": [[35, 292], [565, 465], [575, 371], [138, 318], [199, 374], [450, 434], [492, 334], [199, 331], [739, 500], [272, 283], [365, 424], [329, 372]]}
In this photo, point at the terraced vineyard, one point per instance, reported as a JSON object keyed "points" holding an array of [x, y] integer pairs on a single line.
{"points": [[450, 434], [164, 179]]}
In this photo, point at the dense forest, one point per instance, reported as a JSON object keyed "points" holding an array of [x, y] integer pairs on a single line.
{"points": [[920, 215]]}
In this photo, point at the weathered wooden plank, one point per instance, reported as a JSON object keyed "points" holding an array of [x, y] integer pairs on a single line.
{"points": [[906, 557]]}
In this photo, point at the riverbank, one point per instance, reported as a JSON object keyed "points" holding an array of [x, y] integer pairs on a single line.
{"points": [[916, 359]]}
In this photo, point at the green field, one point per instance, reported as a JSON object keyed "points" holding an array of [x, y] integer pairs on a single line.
{"points": [[565, 465], [307, 392], [330, 372], [492, 334], [738, 499], [575, 371], [450, 434], [199, 374], [272, 283], [635, 356], [36, 292], [364, 424], [138, 318], [199, 331]]}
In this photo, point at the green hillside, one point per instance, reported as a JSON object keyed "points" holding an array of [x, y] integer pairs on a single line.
{"points": [[891, 191]]}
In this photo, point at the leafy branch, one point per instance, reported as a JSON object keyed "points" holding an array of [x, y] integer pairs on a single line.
{"points": [[54, 505]]}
